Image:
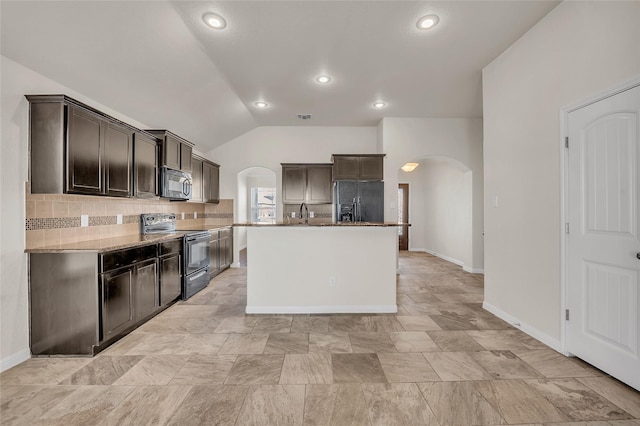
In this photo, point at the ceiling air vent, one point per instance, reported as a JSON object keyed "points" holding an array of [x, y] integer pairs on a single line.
{"points": [[304, 116]]}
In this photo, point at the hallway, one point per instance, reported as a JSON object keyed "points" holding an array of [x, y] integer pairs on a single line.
{"points": [[441, 360]]}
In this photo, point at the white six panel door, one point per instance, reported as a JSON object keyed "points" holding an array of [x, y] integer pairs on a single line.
{"points": [[603, 206]]}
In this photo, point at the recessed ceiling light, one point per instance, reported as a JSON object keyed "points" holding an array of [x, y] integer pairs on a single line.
{"points": [[409, 167], [428, 21], [379, 105], [324, 79], [214, 20], [261, 104]]}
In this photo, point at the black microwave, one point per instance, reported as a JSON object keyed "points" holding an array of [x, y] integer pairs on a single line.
{"points": [[176, 185]]}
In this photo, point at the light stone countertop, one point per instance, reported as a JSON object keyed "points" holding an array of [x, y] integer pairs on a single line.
{"points": [[116, 243]]}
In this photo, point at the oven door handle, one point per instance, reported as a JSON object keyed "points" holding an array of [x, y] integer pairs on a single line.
{"points": [[198, 275]]}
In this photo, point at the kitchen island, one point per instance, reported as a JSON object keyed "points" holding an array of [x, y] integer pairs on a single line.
{"points": [[321, 268]]}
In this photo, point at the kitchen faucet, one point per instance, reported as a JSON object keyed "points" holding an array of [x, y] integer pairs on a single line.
{"points": [[306, 216]]}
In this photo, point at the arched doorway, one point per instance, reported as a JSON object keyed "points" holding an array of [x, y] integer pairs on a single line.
{"points": [[256, 202]]}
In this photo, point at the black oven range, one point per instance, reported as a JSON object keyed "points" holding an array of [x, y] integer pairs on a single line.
{"points": [[195, 255]]}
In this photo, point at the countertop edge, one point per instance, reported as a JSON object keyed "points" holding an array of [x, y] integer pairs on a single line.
{"points": [[104, 245]]}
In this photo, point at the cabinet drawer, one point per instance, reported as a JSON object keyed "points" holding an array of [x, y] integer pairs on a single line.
{"points": [[117, 259], [168, 247], [226, 233]]}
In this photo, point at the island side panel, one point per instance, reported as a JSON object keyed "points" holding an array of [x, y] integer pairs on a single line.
{"points": [[321, 269]]}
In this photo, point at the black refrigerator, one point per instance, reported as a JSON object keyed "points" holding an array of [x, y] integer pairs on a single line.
{"points": [[358, 201]]}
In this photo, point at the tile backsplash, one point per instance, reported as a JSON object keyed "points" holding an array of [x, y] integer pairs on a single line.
{"points": [[53, 219]]}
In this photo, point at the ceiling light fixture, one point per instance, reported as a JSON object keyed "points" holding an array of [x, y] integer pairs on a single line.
{"points": [[379, 105], [261, 104], [409, 167], [427, 22], [324, 79], [214, 20]]}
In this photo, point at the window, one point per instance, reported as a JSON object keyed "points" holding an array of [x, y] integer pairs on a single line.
{"points": [[263, 205]]}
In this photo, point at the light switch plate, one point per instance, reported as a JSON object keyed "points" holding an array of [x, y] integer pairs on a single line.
{"points": [[293, 215], [182, 215], [84, 220], [119, 219], [195, 215], [311, 214]]}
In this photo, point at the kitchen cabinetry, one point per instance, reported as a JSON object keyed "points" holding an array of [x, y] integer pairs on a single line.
{"points": [[176, 152], [358, 167], [170, 265], [220, 250], [306, 183], [99, 155], [196, 179], [77, 149], [210, 182], [145, 161], [205, 178], [80, 302]]}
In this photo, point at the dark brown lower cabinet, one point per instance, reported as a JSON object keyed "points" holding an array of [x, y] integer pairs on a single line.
{"points": [[220, 250], [170, 264], [80, 303]]}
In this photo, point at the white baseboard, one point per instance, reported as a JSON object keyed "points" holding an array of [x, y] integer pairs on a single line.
{"points": [[526, 328], [450, 259], [235, 265], [444, 257], [472, 270], [15, 359], [339, 309]]}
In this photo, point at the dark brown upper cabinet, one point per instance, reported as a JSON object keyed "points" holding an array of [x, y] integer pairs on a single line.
{"points": [[210, 182], [77, 149], [205, 178], [358, 166], [145, 162], [306, 183], [176, 152], [196, 179]]}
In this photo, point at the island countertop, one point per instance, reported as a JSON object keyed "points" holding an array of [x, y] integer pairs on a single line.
{"points": [[324, 224]]}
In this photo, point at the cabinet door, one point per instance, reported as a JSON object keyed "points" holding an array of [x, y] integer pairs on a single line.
{"points": [[214, 256], [171, 148], [146, 289], [170, 279], [186, 153], [214, 185], [210, 183], [319, 184], [294, 184], [116, 302], [118, 155], [371, 168], [146, 167], [346, 168], [84, 153], [196, 180], [229, 251]]}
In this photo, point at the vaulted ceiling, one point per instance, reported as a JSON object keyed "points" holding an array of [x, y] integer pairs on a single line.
{"points": [[158, 63]]}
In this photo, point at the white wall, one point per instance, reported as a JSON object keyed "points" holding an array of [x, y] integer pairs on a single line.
{"points": [[459, 139], [17, 81], [579, 49]]}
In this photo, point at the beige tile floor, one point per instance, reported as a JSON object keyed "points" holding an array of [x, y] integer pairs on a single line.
{"points": [[442, 360]]}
